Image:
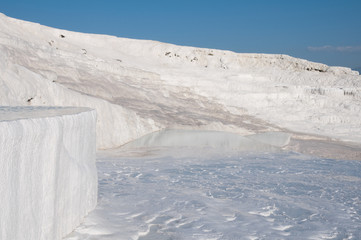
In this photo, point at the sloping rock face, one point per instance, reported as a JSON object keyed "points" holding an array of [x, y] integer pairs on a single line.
{"points": [[48, 175], [139, 86]]}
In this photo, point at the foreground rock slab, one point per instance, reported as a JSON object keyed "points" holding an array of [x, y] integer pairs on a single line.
{"points": [[48, 174]]}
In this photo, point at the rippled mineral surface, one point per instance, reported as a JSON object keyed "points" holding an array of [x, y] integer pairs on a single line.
{"points": [[185, 193]]}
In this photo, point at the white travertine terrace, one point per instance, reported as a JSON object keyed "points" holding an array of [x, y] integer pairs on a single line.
{"points": [[139, 86], [48, 179]]}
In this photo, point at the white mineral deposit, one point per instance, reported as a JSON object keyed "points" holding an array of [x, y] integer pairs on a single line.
{"points": [[192, 143]]}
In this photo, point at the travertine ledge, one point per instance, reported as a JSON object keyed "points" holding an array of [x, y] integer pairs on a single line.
{"points": [[48, 179]]}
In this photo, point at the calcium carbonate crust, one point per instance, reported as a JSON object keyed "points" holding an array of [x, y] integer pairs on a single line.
{"points": [[48, 173]]}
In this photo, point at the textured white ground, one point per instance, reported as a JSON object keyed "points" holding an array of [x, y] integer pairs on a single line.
{"points": [[139, 87], [48, 179], [182, 190]]}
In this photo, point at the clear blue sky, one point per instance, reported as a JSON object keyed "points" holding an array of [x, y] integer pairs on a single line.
{"points": [[327, 31]]}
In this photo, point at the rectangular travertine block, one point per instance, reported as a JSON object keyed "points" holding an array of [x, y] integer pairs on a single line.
{"points": [[48, 178]]}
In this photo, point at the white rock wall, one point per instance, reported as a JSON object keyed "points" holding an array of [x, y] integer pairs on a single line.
{"points": [[140, 86], [48, 179], [116, 125]]}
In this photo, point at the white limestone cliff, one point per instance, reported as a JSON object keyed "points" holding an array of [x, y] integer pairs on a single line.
{"points": [[140, 86], [48, 179]]}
